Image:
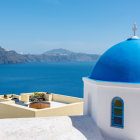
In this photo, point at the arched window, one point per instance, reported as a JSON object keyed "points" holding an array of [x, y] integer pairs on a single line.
{"points": [[117, 112]]}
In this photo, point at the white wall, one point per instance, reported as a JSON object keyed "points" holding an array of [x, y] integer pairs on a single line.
{"points": [[97, 100], [89, 98]]}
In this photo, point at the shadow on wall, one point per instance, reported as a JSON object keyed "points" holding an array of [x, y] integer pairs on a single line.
{"points": [[89, 103], [87, 127], [113, 138]]}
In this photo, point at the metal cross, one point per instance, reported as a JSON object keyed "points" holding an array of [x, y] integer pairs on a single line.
{"points": [[134, 29]]}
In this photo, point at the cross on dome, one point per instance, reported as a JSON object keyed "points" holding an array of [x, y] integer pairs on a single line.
{"points": [[134, 29]]}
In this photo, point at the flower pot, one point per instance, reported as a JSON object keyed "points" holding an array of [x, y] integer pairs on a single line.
{"points": [[48, 97], [39, 105]]}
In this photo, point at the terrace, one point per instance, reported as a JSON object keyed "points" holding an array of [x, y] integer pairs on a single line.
{"points": [[40, 104]]}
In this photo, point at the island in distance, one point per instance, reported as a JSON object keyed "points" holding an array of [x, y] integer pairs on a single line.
{"points": [[55, 55]]}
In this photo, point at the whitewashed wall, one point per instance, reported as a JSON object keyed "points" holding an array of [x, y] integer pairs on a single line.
{"points": [[97, 102]]}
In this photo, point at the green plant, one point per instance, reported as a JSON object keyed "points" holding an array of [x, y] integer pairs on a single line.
{"points": [[11, 96], [37, 94]]}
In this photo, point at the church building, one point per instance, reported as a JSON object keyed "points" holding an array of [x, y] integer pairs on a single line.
{"points": [[112, 91]]}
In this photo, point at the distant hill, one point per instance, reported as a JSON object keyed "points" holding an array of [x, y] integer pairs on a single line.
{"points": [[55, 55], [58, 52], [72, 56], [11, 57]]}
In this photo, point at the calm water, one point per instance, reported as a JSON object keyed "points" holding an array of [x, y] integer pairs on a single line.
{"points": [[61, 78]]}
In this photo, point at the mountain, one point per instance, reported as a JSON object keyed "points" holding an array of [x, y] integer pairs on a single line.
{"points": [[55, 55], [72, 56], [11, 57], [58, 52]]}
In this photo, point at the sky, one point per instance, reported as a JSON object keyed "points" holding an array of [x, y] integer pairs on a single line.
{"points": [[90, 26]]}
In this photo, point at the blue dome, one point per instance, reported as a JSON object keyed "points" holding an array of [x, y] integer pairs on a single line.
{"points": [[120, 63]]}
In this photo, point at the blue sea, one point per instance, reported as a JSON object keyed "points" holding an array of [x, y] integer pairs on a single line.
{"points": [[60, 78]]}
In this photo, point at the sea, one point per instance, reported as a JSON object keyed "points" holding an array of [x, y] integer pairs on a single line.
{"points": [[59, 78]]}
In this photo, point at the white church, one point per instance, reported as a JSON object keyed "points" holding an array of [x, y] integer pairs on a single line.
{"points": [[112, 92], [111, 103]]}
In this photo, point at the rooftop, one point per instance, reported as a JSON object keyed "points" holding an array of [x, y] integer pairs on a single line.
{"points": [[120, 63], [39, 104], [50, 128]]}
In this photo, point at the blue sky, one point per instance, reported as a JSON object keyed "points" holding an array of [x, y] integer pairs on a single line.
{"points": [[91, 26]]}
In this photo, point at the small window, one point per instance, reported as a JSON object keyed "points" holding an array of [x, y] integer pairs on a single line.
{"points": [[117, 112]]}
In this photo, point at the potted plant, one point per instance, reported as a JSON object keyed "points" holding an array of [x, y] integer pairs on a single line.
{"points": [[37, 96], [5, 96], [48, 96]]}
